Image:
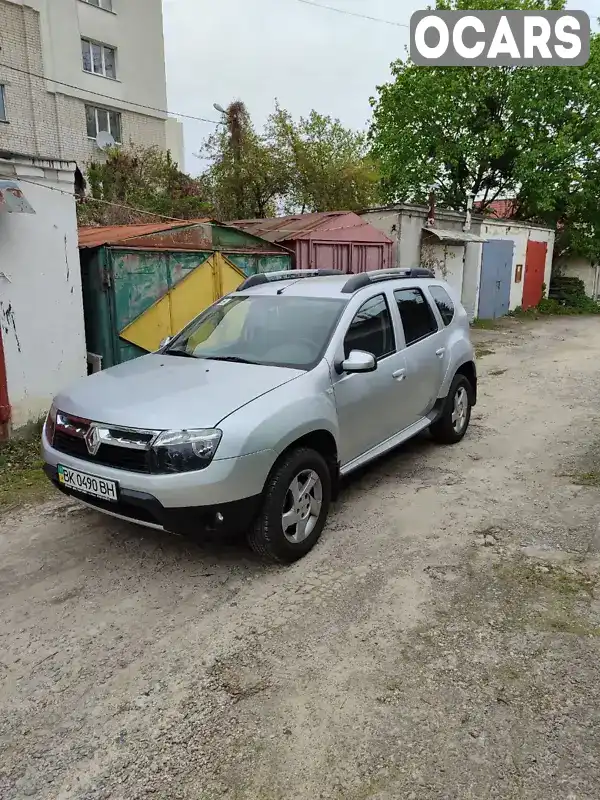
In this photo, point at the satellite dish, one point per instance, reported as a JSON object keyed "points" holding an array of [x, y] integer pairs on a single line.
{"points": [[104, 140]]}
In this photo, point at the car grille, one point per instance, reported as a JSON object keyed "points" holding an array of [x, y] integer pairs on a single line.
{"points": [[73, 444]]}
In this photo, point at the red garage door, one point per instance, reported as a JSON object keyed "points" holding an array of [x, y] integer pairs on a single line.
{"points": [[4, 404], [535, 267]]}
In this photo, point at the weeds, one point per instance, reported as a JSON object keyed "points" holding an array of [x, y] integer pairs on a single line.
{"points": [[591, 478], [21, 477], [485, 324]]}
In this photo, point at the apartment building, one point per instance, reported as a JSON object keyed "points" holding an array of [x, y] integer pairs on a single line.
{"points": [[73, 69]]}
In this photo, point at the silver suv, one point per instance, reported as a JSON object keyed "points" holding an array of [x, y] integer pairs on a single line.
{"points": [[247, 419]]}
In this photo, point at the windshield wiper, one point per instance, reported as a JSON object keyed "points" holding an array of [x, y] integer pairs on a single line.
{"points": [[180, 353], [232, 359]]}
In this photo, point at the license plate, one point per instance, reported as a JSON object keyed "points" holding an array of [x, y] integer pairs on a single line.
{"points": [[88, 484]]}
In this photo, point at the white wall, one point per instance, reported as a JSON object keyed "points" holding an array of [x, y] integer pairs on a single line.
{"points": [[520, 234], [590, 275], [41, 307]]}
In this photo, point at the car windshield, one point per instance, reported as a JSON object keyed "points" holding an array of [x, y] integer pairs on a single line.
{"points": [[277, 330]]}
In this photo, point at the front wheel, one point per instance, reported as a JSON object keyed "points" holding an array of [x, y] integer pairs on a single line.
{"points": [[295, 507], [451, 427]]}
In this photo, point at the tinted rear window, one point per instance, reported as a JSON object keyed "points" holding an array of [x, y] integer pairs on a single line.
{"points": [[444, 303]]}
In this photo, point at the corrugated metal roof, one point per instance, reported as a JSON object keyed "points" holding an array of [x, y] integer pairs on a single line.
{"points": [[454, 236], [304, 226], [115, 234]]}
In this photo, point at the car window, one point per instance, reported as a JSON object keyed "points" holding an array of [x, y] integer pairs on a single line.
{"points": [[371, 329], [444, 303], [417, 315], [279, 330]]}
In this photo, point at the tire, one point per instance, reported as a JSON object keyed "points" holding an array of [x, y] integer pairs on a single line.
{"points": [[283, 495], [445, 429]]}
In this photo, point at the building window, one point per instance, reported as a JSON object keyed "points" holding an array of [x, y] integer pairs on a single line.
{"points": [[101, 119], [105, 4], [3, 117], [99, 58]]}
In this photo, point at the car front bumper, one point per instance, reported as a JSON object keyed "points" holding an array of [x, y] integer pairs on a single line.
{"points": [[224, 496]]}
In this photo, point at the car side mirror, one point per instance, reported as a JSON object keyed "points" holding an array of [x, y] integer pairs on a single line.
{"points": [[359, 361], [164, 342]]}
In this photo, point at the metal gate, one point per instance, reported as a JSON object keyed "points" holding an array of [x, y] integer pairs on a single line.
{"points": [[535, 268], [496, 278]]}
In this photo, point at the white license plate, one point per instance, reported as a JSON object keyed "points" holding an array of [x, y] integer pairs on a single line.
{"points": [[88, 484]]}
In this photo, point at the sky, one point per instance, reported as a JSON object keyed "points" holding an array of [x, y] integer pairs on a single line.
{"points": [[307, 58]]}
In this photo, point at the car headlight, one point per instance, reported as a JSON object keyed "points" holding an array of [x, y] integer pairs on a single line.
{"points": [[50, 425], [185, 451]]}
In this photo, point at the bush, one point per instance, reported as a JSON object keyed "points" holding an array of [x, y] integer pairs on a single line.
{"points": [[567, 296]]}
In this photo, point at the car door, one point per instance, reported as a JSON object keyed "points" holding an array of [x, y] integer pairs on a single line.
{"points": [[424, 351], [365, 400]]}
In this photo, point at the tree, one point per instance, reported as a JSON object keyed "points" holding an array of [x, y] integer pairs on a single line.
{"points": [[247, 175], [489, 132], [330, 167], [312, 165], [140, 178]]}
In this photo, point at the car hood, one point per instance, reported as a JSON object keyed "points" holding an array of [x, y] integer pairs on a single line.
{"points": [[162, 392]]}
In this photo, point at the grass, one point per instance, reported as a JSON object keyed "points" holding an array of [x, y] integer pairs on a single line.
{"points": [[485, 324], [21, 477], [591, 478], [497, 372], [549, 307], [554, 579], [481, 350]]}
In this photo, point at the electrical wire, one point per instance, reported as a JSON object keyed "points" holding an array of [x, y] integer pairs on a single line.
{"points": [[104, 202], [353, 13], [109, 97]]}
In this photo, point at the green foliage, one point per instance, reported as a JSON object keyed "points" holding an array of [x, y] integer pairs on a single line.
{"points": [[329, 166], [314, 164], [567, 298], [248, 174], [142, 178], [21, 477], [530, 133]]}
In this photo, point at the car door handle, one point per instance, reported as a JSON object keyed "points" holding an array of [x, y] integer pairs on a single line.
{"points": [[441, 352], [399, 375]]}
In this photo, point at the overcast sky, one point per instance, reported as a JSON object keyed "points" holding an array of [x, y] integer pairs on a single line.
{"points": [[306, 57]]}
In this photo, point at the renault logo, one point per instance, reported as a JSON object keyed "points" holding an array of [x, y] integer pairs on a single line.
{"points": [[92, 440]]}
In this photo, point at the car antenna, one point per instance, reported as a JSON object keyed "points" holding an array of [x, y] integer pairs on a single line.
{"points": [[283, 288]]}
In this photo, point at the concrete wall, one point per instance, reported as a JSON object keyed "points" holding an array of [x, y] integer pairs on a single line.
{"points": [[43, 37], [459, 264], [520, 234], [41, 308], [590, 275]]}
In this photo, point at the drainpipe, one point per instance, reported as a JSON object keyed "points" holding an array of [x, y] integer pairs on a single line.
{"points": [[4, 401]]}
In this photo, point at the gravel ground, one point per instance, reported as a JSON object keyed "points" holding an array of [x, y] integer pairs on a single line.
{"points": [[442, 641]]}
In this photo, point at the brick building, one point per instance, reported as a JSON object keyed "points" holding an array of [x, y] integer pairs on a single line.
{"points": [[70, 69]]}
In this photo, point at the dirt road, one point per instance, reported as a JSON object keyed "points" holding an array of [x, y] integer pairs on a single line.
{"points": [[442, 641]]}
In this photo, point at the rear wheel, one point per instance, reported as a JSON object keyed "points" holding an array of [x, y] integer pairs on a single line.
{"points": [[452, 425], [295, 507]]}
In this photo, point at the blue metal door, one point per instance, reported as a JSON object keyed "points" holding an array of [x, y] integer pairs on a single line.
{"points": [[496, 278]]}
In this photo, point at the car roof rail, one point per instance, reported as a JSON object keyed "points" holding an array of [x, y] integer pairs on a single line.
{"points": [[286, 275], [375, 276]]}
